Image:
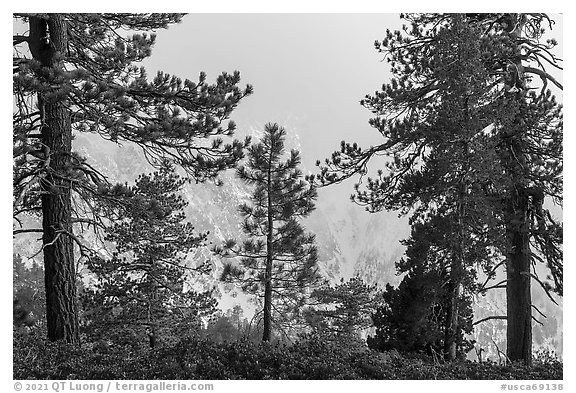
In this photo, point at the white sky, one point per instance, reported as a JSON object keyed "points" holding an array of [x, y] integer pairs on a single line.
{"points": [[309, 71]]}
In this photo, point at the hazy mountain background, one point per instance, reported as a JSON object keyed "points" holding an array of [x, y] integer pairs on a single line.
{"points": [[309, 72], [351, 241]]}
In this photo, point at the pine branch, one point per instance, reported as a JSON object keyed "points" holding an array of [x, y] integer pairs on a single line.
{"points": [[544, 76], [496, 286], [539, 312], [490, 318], [58, 234], [19, 231], [541, 285], [506, 358], [18, 39]]}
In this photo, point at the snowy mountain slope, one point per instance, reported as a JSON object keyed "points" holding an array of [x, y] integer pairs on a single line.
{"points": [[350, 241]]}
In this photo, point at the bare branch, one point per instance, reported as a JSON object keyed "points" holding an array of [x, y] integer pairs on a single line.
{"points": [[490, 318], [47, 244], [18, 39], [506, 358], [546, 290], [19, 231], [495, 286], [538, 311], [543, 75]]}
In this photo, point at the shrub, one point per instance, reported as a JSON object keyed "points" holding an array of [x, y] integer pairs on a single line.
{"points": [[197, 358]]}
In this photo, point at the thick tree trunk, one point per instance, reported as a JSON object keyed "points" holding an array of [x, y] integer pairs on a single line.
{"points": [[47, 39], [518, 260], [518, 296]]}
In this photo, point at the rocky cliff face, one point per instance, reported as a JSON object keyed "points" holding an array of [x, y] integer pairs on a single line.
{"points": [[351, 241]]}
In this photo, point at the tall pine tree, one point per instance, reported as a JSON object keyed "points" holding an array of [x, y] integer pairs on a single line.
{"points": [[516, 165], [77, 73], [441, 164], [278, 260]]}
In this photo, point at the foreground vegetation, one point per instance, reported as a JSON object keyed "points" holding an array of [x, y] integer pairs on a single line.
{"points": [[198, 358]]}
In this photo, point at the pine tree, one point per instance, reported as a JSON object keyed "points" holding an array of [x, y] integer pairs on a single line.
{"points": [[441, 165], [145, 285], [426, 312], [27, 293], [344, 310], [412, 317], [516, 165], [77, 73], [231, 326], [278, 260]]}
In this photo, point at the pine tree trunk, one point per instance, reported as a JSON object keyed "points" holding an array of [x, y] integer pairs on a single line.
{"points": [[268, 303], [518, 260], [518, 296], [451, 323], [453, 293], [456, 273], [47, 38], [269, 260]]}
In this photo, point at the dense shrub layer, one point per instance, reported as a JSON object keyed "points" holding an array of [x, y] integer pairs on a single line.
{"points": [[203, 359]]}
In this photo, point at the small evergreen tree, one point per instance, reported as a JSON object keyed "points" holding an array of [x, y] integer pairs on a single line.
{"points": [[27, 292], [344, 310], [231, 326], [417, 316], [278, 260], [145, 285]]}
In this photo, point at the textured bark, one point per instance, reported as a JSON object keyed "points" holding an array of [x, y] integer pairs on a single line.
{"points": [[518, 260], [518, 296], [48, 37]]}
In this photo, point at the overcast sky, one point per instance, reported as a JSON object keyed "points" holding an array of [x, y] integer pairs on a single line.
{"points": [[309, 71]]}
